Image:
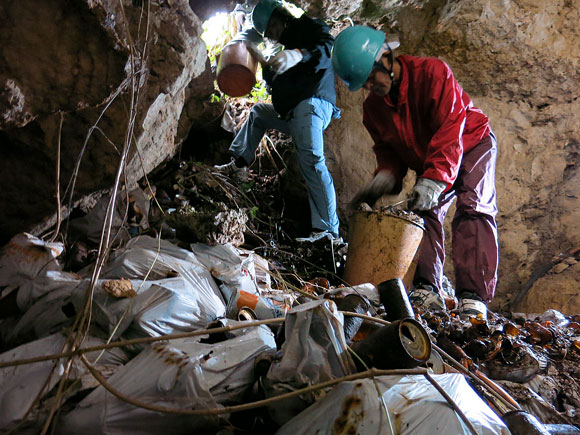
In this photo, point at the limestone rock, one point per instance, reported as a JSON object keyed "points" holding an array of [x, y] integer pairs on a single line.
{"points": [[560, 291], [83, 59], [519, 63]]}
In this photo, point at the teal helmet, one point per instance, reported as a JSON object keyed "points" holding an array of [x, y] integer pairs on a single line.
{"points": [[354, 53], [262, 13]]}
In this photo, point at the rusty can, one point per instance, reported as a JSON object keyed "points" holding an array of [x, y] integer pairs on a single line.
{"points": [[403, 344], [255, 305], [522, 423], [356, 304], [393, 296]]}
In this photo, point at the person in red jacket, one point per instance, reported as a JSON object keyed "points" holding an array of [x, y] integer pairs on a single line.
{"points": [[420, 118]]}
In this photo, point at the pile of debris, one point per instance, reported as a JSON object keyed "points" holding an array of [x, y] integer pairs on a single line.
{"points": [[199, 311]]}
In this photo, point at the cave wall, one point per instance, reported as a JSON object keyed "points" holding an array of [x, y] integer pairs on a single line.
{"points": [[519, 62], [74, 59]]}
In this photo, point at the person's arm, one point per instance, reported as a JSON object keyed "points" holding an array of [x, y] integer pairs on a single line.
{"points": [[319, 51], [249, 35], [387, 158], [448, 111]]}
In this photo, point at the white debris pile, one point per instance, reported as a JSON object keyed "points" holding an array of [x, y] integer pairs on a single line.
{"points": [[185, 340]]}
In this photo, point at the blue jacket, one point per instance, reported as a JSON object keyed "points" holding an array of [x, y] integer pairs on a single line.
{"points": [[313, 76]]}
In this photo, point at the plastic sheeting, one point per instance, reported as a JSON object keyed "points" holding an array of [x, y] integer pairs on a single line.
{"points": [[50, 312], [175, 293], [179, 295], [23, 260], [415, 408], [184, 374], [22, 384], [314, 351], [245, 281]]}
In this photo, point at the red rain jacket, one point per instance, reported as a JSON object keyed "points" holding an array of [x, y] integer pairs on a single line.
{"points": [[431, 127]]}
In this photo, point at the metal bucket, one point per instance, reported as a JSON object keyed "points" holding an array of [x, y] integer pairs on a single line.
{"points": [[236, 69], [381, 247]]}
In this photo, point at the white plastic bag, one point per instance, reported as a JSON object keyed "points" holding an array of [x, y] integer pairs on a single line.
{"points": [[24, 259], [177, 293], [314, 351], [20, 385], [245, 281], [161, 307], [415, 408], [226, 263], [50, 312], [183, 374]]}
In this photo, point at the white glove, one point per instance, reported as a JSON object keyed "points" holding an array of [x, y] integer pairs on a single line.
{"points": [[285, 60], [383, 183], [256, 52], [425, 194]]}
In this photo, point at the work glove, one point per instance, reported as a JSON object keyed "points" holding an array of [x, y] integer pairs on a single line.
{"points": [[285, 60], [256, 52], [382, 184], [425, 194]]}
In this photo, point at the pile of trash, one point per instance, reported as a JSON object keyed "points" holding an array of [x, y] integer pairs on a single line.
{"points": [[199, 312], [179, 339]]}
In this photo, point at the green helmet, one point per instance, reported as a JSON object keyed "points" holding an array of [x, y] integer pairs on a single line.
{"points": [[262, 13], [354, 53]]}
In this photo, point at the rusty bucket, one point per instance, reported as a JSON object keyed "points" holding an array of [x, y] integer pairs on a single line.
{"points": [[381, 247], [236, 69]]}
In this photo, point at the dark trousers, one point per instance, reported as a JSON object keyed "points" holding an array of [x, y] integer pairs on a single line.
{"points": [[473, 229]]}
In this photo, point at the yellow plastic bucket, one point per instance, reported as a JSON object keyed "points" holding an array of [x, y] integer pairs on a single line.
{"points": [[381, 246]]}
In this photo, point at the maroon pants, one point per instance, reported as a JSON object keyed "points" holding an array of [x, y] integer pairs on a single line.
{"points": [[473, 229]]}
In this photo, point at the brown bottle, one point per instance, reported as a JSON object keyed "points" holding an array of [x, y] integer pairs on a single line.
{"points": [[512, 329], [538, 333]]}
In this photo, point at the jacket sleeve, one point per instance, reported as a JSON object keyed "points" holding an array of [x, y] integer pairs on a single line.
{"points": [[448, 115], [318, 53], [248, 34], [387, 158]]}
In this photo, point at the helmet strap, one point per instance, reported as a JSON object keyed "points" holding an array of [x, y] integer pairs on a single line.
{"points": [[379, 61]]}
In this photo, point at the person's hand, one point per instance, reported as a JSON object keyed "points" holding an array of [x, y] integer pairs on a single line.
{"points": [[285, 60], [256, 53], [382, 184], [425, 194]]}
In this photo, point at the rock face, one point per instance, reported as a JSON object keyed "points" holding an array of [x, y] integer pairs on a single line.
{"points": [[519, 63], [88, 63]]}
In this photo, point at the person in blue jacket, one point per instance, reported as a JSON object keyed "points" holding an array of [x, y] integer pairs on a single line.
{"points": [[301, 82]]}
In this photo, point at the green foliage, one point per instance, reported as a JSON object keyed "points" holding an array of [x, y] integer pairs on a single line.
{"points": [[246, 187], [259, 93], [253, 212], [217, 32]]}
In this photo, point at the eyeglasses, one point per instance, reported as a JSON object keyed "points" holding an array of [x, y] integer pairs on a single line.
{"points": [[379, 65]]}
